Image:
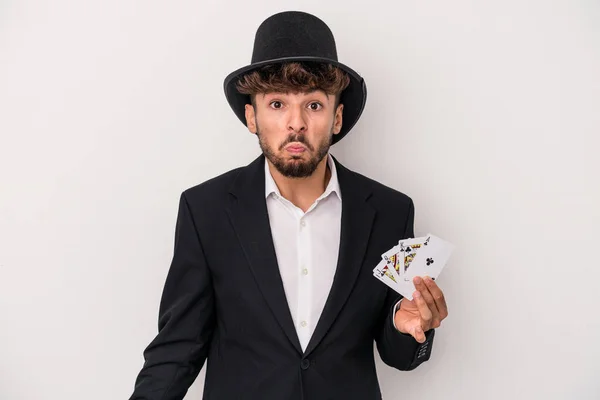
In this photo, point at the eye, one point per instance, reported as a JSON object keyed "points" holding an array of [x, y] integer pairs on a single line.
{"points": [[315, 106], [276, 104]]}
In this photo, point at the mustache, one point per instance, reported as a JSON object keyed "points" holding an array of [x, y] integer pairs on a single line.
{"points": [[298, 138]]}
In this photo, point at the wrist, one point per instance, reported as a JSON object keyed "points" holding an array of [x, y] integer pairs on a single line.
{"points": [[395, 313]]}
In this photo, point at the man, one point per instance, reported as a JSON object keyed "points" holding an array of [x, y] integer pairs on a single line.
{"points": [[271, 279]]}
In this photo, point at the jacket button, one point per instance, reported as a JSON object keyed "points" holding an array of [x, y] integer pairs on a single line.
{"points": [[305, 364]]}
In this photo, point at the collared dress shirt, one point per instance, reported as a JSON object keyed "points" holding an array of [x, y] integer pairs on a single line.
{"points": [[306, 245]]}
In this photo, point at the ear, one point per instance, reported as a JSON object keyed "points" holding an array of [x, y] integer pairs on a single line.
{"points": [[337, 123], [250, 118]]}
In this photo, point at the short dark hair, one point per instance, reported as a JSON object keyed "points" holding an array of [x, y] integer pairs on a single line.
{"points": [[294, 77]]}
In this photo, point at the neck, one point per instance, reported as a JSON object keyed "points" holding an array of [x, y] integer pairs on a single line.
{"points": [[302, 192]]}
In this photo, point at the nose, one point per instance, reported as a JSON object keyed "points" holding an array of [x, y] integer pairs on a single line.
{"points": [[297, 120]]}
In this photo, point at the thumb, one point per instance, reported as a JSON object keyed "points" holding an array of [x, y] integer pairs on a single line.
{"points": [[418, 333]]}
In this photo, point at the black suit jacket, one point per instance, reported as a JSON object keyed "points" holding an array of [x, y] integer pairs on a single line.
{"points": [[223, 300]]}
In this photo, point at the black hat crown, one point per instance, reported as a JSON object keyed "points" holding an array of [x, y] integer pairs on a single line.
{"points": [[293, 34]]}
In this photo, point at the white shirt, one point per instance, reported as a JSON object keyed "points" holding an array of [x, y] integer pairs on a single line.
{"points": [[306, 246]]}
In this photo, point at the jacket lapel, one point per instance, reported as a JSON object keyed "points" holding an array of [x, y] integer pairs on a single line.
{"points": [[250, 220], [357, 220]]}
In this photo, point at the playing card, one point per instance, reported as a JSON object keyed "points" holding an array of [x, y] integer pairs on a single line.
{"points": [[406, 289], [394, 259], [395, 256], [412, 257], [391, 267], [383, 273], [430, 258], [407, 253]]}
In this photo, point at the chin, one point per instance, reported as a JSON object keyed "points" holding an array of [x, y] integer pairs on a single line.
{"points": [[295, 162]]}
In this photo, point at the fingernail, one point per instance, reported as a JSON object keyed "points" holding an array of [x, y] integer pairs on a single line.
{"points": [[417, 295], [417, 280]]}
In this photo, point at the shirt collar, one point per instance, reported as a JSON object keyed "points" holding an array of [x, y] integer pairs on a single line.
{"points": [[332, 186]]}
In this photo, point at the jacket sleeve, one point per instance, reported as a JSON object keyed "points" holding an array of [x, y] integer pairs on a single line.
{"points": [[186, 319], [397, 349]]}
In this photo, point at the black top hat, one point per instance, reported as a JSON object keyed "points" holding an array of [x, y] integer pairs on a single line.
{"points": [[294, 36]]}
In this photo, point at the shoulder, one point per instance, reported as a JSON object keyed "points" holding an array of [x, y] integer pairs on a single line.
{"points": [[212, 189], [381, 191], [395, 209], [380, 195]]}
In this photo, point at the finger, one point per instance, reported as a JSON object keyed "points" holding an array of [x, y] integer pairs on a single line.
{"points": [[414, 329], [424, 310], [428, 297], [418, 334], [438, 296]]}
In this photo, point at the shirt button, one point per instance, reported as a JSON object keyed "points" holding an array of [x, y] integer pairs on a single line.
{"points": [[305, 271], [303, 324], [303, 223], [305, 364]]}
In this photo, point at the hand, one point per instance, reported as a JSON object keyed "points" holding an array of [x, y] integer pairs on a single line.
{"points": [[426, 311]]}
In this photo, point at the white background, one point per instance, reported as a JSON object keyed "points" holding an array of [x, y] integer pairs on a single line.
{"points": [[485, 113]]}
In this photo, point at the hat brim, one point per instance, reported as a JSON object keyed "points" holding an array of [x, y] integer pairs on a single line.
{"points": [[354, 97]]}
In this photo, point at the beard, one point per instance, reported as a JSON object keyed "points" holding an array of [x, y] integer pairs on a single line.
{"points": [[296, 167]]}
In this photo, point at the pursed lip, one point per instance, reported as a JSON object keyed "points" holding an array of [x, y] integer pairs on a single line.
{"points": [[295, 148]]}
